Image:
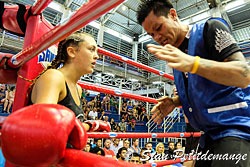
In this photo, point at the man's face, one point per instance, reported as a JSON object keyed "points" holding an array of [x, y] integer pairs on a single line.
{"points": [[123, 154], [126, 144], [87, 148], [123, 120], [99, 143], [107, 144], [135, 160], [149, 146], [117, 141], [171, 146], [136, 143], [106, 118], [164, 30]]}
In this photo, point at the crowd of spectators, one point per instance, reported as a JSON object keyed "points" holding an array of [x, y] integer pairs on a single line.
{"points": [[7, 94], [130, 111], [122, 149]]}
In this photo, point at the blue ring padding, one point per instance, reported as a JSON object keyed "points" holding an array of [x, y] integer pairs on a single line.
{"points": [[154, 135], [181, 134], [118, 92], [2, 159], [154, 164], [112, 135], [182, 159], [161, 73]]}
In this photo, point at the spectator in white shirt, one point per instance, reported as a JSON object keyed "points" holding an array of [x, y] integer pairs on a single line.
{"points": [[93, 114]]}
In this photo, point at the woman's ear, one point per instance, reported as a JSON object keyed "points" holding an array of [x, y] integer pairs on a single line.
{"points": [[71, 51]]}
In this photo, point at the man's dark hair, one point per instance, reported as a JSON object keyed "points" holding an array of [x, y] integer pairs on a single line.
{"points": [[148, 143], [95, 150], [134, 139], [171, 142], [120, 151], [159, 7]]}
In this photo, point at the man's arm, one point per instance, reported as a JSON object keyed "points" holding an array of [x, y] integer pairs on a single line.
{"points": [[229, 72], [232, 72]]}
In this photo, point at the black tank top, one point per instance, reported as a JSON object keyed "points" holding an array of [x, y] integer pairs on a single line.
{"points": [[70, 103]]}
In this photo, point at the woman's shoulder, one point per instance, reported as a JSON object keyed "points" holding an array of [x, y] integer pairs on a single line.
{"points": [[51, 77]]}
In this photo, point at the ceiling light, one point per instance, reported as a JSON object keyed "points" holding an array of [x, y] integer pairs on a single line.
{"points": [[124, 8]]}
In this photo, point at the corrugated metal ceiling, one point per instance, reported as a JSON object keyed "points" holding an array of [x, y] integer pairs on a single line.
{"points": [[124, 19]]}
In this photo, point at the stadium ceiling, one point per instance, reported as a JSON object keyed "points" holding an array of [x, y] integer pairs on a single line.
{"points": [[123, 18]]}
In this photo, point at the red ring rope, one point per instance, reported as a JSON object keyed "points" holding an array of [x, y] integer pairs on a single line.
{"points": [[115, 92], [134, 63], [141, 135]]}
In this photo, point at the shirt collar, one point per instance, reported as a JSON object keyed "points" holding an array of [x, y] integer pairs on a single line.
{"points": [[189, 31]]}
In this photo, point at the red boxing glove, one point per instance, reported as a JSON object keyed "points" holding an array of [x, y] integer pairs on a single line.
{"points": [[37, 135], [98, 125]]}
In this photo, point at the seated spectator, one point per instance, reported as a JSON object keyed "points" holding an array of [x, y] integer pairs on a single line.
{"points": [[98, 143], [11, 98], [178, 146], [139, 111], [149, 147], [4, 96], [126, 143], [91, 104], [133, 124], [106, 103], [135, 114], [135, 158], [170, 151], [84, 102], [98, 102], [124, 111], [145, 114], [106, 118], [115, 146], [143, 155], [87, 113], [87, 147], [93, 114], [114, 103], [106, 149], [86, 93], [112, 125], [159, 149], [135, 146], [123, 125], [97, 150], [122, 154]]}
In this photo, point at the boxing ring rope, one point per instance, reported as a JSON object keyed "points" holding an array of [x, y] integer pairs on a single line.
{"points": [[141, 135], [134, 63], [110, 91], [93, 160], [87, 13]]}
